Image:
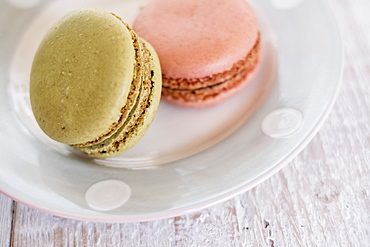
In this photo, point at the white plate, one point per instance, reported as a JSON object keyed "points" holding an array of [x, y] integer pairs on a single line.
{"points": [[190, 158]]}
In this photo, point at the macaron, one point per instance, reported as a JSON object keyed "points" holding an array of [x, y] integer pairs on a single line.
{"points": [[208, 49], [94, 84]]}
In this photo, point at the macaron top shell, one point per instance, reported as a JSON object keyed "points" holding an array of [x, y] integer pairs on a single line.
{"points": [[81, 76], [194, 39]]}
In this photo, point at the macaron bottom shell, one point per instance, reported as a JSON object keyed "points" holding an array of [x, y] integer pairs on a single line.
{"points": [[215, 99]]}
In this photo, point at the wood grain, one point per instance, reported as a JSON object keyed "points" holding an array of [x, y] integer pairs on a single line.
{"points": [[322, 198], [6, 214]]}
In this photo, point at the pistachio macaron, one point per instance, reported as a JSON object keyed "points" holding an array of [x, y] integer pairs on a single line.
{"points": [[94, 84]]}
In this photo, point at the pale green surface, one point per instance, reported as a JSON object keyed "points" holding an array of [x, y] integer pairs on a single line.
{"points": [[81, 76]]}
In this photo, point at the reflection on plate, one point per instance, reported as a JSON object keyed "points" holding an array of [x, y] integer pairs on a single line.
{"points": [[190, 158]]}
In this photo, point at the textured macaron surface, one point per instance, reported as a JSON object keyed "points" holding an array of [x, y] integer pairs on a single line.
{"points": [[81, 76], [198, 38]]}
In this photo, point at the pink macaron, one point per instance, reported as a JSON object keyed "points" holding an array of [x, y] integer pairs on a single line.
{"points": [[208, 49]]}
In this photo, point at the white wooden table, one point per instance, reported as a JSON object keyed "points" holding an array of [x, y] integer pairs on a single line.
{"points": [[321, 198]]}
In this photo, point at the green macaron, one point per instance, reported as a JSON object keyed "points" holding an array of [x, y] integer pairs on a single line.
{"points": [[94, 84]]}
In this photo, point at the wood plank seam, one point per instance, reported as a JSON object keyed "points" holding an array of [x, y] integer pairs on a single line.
{"points": [[12, 224]]}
